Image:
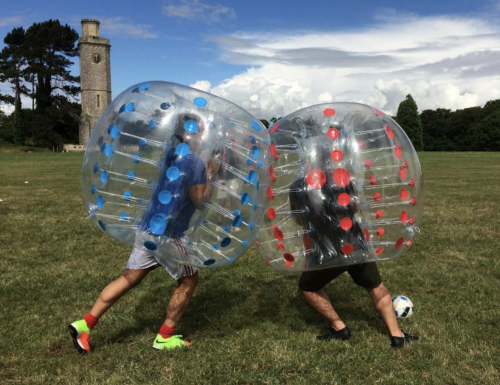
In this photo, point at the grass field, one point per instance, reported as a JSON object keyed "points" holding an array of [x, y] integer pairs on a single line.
{"points": [[249, 324]]}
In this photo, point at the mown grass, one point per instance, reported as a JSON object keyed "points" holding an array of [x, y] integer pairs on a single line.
{"points": [[249, 324]]}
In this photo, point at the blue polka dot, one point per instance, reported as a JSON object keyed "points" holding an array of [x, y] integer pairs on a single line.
{"points": [[102, 225], [191, 126], [96, 167], [182, 149], [150, 245], [244, 198], [250, 162], [143, 143], [255, 152], [225, 242], [136, 159], [152, 124], [257, 185], [130, 175], [130, 107], [114, 131], [108, 151], [158, 224], [244, 244], [252, 176], [127, 195], [93, 189], [122, 108], [173, 173], [200, 102], [227, 229], [124, 216], [252, 139], [259, 164], [215, 246], [255, 206], [255, 125], [236, 212], [144, 87], [251, 225], [165, 197], [104, 176], [100, 201], [230, 260], [103, 147], [237, 221], [165, 106], [266, 141], [209, 262]]}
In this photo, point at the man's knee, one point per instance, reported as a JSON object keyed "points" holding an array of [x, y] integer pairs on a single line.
{"points": [[134, 276]]}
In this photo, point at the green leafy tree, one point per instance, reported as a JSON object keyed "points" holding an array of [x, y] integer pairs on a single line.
{"points": [[408, 118], [435, 130], [460, 126]]}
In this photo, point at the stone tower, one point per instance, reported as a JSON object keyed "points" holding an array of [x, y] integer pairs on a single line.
{"points": [[95, 74]]}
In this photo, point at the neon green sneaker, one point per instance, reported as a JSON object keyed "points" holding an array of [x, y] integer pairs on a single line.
{"points": [[81, 336], [173, 342]]}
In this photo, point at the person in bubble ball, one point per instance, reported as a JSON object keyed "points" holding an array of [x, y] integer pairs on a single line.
{"points": [[322, 218], [141, 262]]}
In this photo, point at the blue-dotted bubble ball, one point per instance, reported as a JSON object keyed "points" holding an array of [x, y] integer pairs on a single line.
{"points": [[345, 188], [178, 173]]}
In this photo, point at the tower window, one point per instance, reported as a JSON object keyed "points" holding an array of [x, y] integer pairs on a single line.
{"points": [[98, 101]]}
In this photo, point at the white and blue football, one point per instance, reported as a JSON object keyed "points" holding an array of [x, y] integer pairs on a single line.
{"points": [[403, 307]]}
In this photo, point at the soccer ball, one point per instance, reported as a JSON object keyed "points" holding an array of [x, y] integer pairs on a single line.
{"points": [[403, 307]]}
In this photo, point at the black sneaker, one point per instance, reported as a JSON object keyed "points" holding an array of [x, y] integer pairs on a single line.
{"points": [[398, 342], [343, 334]]}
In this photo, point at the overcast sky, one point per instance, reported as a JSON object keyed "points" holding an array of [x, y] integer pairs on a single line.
{"points": [[274, 57]]}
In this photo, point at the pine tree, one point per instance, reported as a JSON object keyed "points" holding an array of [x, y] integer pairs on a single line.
{"points": [[409, 120]]}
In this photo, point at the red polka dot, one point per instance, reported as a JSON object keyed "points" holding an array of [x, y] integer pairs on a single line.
{"points": [[289, 257], [289, 264], [337, 155], [333, 133], [379, 214], [411, 221], [413, 201], [276, 156], [366, 234], [271, 213], [377, 196], [345, 224], [380, 232], [281, 246], [344, 199], [278, 234], [404, 194], [390, 134], [373, 180], [361, 145], [379, 113], [273, 177], [399, 242], [270, 169], [347, 248], [308, 242], [270, 193], [379, 250], [397, 151], [402, 173], [403, 217], [316, 178], [368, 163], [412, 182], [272, 149], [405, 164], [274, 129], [329, 112], [341, 177]]}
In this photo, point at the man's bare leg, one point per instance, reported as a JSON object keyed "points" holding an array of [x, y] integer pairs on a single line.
{"points": [[320, 302], [383, 304], [180, 299]]}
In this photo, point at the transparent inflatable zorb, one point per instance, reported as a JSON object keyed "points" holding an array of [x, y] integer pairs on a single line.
{"points": [[167, 161], [346, 188]]}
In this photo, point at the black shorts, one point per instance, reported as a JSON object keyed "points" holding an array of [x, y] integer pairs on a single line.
{"points": [[365, 275]]}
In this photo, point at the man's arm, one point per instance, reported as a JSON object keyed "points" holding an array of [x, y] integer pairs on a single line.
{"points": [[200, 193]]}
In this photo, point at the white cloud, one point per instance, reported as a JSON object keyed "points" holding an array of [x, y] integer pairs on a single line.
{"points": [[203, 85], [11, 20], [443, 61], [113, 26], [196, 10]]}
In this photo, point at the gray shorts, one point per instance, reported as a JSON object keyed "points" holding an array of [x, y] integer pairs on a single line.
{"points": [[176, 251]]}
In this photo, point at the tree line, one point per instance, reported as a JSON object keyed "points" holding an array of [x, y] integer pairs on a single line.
{"points": [[36, 63]]}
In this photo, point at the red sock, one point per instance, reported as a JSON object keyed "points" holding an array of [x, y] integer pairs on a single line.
{"points": [[166, 331], [90, 320]]}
